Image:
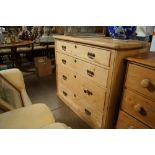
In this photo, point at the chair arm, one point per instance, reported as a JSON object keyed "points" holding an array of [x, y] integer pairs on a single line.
{"points": [[32, 116], [15, 77]]}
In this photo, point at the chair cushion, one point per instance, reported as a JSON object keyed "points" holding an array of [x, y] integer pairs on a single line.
{"points": [[56, 126], [29, 117]]}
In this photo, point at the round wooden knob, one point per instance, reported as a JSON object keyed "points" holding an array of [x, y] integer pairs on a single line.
{"points": [[131, 127], [138, 108], [145, 83]]}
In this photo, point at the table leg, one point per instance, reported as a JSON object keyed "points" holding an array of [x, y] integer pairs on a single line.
{"points": [[15, 57]]}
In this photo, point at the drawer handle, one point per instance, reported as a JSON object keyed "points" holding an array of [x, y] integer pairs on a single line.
{"points": [[87, 112], [75, 46], [64, 77], [145, 83], [91, 55], [89, 93], [65, 94], [63, 61], [90, 73], [138, 108], [63, 47], [75, 60]]}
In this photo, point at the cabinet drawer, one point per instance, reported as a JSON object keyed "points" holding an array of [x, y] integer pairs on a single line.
{"points": [[142, 80], [93, 118], [95, 73], [126, 121], [66, 94], [90, 94], [64, 47], [92, 54], [139, 107]]}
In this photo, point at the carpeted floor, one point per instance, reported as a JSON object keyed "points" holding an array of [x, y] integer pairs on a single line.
{"points": [[44, 90]]}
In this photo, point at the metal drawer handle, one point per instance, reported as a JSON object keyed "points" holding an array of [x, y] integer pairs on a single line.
{"points": [[89, 93], [63, 61], [87, 112], [63, 47], [90, 73], [65, 94], [64, 77], [91, 55]]}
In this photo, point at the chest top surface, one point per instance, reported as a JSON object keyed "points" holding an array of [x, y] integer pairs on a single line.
{"points": [[106, 42], [145, 59]]}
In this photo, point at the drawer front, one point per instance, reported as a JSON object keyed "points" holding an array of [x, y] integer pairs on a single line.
{"points": [[139, 107], [67, 95], [64, 47], [95, 73], [92, 117], [142, 80], [126, 121], [90, 94], [92, 54]]}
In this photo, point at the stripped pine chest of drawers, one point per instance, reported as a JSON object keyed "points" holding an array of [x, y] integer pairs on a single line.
{"points": [[90, 74]]}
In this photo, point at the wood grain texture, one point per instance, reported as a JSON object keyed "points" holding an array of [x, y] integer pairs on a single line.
{"points": [[126, 121], [90, 71], [139, 107], [106, 42], [136, 77], [145, 59]]}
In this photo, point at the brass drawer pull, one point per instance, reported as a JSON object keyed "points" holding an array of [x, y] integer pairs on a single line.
{"points": [[87, 112], [88, 92], [65, 94], [75, 60], [90, 73], [63, 47], [145, 83], [63, 61], [64, 77], [91, 55]]}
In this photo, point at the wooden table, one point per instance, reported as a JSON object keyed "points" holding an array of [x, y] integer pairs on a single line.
{"points": [[46, 43], [14, 47]]}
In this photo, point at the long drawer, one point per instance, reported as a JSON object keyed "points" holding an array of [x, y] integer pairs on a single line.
{"points": [[90, 94], [126, 121], [142, 80], [139, 107], [92, 72], [92, 117], [90, 53]]}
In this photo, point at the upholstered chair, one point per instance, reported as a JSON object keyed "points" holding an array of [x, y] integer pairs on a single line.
{"points": [[19, 112]]}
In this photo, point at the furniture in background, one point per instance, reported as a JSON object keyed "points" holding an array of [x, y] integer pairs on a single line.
{"points": [[90, 73], [22, 114], [13, 47], [138, 100]]}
